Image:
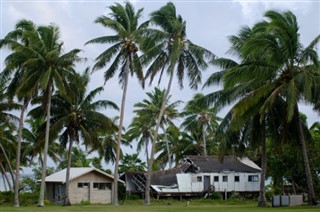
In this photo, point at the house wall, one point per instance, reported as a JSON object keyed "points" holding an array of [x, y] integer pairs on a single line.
{"points": [[89, 193], [188, 182]]}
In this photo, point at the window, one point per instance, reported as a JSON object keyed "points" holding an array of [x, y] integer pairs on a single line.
{"points": [[236, 179], [102, 186], [83, 185], [216, 178], [253, 178], [225, 178], [199, 179]]}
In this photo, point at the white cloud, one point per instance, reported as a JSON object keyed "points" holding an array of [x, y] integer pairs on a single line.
{"points": [[253, 10]]}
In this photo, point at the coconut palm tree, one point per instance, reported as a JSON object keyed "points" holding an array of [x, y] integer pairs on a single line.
{"points": [[33, 141], [14, 67], [274, 58], [125, 45], [197, 112], [296, 70], [140, 130], [106, 147], [132, 163], [47, 66], [76, 115], [168, 48], [150, 108]]}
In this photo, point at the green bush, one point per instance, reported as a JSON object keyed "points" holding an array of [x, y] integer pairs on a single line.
{"points": [[121, 191], [235, 195], [133, 197], [216, 195], [6, 197], [29, 198], [85, 202]]}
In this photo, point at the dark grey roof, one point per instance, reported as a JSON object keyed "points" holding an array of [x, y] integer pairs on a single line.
{"points": [[214, 164], [168, 177]]}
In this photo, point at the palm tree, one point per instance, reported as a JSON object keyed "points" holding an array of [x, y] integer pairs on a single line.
{"points": [[132, 163], [197, 112], [276, 68], [14, 67], [169, 48], [46, 65], [106, 146], [7, 151], [150, 108], [140, 130], [76, 115], [33, 141], [296, 70], [124, 21]]}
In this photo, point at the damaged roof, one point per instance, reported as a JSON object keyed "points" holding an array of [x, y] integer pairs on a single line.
{"points": [[229, 163]]}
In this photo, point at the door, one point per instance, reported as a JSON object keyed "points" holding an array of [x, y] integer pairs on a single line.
{"points": [[57, 190], [206, 183]]}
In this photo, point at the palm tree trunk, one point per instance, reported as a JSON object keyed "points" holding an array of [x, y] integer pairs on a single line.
{"points": [[46, 146], [167, 145], [204, 139], [155, 137], [262, 195], [116, 167], [8, 162], [147, 149], [16, 182], [6, 176], [311, 194], [67, 199], [4, 182]]}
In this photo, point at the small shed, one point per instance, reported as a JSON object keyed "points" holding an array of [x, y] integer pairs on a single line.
{"points": [[86, 184]]}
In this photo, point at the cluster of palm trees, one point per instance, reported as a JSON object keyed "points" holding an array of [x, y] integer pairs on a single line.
{"points": [[273, 73]]}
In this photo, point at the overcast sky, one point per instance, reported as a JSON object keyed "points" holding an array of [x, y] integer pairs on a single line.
{"points": [[209, 22]]}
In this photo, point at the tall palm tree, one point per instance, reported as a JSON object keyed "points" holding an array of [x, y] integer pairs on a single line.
{"points": [[168, 48], [276, 68], [76, 115], [197, 112], [125, 45], [47, 66], [296, 70], [14, 67]]}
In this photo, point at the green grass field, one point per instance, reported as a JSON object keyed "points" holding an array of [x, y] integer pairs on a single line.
{"points": [[167, 205]]}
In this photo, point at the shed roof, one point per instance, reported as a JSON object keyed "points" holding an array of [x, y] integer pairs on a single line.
{"points": [[75, 172], [229, 163]]}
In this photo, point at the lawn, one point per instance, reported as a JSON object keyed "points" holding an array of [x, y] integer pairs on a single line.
{"points": [[167, 205]]}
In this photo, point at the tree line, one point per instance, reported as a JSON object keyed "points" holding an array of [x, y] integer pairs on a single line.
{"points": [[272, 73]]}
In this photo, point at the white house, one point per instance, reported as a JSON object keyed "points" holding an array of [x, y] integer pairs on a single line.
{"points": [[197, 175], [86, 184]]}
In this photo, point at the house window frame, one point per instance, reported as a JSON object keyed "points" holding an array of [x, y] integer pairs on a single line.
{"points": [[253, 178], [225, 178], [237, 178], [215, 178], [102, 185], [199, 178], [83, 184]]}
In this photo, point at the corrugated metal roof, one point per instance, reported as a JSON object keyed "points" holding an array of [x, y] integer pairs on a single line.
{"points": [[229, 163], [75, 172]]}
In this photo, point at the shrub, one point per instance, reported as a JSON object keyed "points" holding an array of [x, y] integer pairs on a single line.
{"points": [[6, 197], [85, 202], [29, 198], [216, 195]]}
